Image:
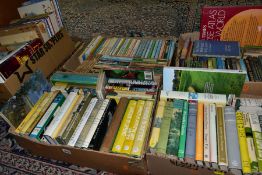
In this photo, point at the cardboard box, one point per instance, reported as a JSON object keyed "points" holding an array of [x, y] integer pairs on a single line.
{"points": [[47, 58], [111, 162]]}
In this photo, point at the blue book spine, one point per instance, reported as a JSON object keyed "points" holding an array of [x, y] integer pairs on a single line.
{"points": [[148, 49], [243, 68], [155, 49], [139, 48], [114, 46], [220, 63], [191, 132], [172, 50], [142, 49], [158, 49], [203, 59]]}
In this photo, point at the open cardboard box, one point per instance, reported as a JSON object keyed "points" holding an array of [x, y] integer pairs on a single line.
{"points": [[111, 162], [47, 58]]}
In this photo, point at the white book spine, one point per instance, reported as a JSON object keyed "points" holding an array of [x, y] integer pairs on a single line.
{"points": [[59, 114], [212, 98], [254, 121], [213, 134], [174, 95], [82, 122], [95, 124], [206, 133]]}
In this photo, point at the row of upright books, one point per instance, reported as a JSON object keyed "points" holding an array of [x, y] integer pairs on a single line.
{"points": [[40, 20], [202, 129]]}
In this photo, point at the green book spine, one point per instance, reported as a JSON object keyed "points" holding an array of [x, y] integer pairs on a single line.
{"points": [[174, 132], [152, 49], [258, 148], [182, 140], [164, 129]]}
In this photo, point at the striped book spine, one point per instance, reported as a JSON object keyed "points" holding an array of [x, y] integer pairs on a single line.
{"points": [[191, 132], [182, 140], [174, 132]]}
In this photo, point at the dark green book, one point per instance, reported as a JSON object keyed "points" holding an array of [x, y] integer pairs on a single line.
{"points": [[174, 131], [182, 139], [164, 128]]}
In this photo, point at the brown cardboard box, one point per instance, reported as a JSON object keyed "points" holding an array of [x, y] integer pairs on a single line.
{"points": [[47, 58]]}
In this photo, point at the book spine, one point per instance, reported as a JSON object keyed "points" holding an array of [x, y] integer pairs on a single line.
{"points": [[191, 132], [143, 129], [249, 70], [164, 128], [206, 133], [247, 124], [243, 143], [213, 133], [200, 132], [174, 132], [158, 49], [95, 123], [152, 56], [221, 137], [118, 46], [130, 82], [82, 122], [114, 125], [131, 132], [48, 116], [157, 124], [32, 111], [121, 134], [257, 136], [252, 155], [233, 151], [135, 48], [182, 140]]}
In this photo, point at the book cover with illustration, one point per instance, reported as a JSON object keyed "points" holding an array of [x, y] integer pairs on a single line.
{"points": [[16, 108], [130, 74], [232, 23], [203, 80]]}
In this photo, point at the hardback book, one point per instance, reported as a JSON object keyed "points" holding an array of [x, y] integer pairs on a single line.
{"points": [[203, 80], [232, 23], [183, 132], [207, 135], [143, 129], [48, 116], [245, 161], [213, 136], [114, 125], [161, 146], [174, 132], [102, 127], [232, 143], [200, 134], [190, 153], [252, 154], [155, 134], [122, 132], [88, 128], [222, 150], [209, 48], [133, 126]]}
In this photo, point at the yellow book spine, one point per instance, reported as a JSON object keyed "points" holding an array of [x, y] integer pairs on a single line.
{"points": [[200, 132], [243, 143], [33, 117], [156, 129], [32, 111], [42, 111], [121, 134], [131, 132], [143, 129], [57, 131]]}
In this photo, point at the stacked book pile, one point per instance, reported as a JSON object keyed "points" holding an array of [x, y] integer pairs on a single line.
{"points": [[20, 39]]}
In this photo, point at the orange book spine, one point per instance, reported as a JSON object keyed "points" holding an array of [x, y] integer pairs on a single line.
{"points": [[200, 132]]}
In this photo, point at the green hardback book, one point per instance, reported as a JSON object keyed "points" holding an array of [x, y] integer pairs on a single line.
{"points": [[217, 81], [174, 131], [182, 140], [164, 129]]}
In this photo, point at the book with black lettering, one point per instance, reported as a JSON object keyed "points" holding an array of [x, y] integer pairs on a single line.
{"points": [[102, 127]]}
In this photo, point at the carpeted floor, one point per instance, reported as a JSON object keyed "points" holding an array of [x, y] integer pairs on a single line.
{"points": [[84, 18]]}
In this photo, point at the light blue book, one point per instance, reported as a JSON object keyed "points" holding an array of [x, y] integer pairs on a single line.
{"points": [[243, 67], [220, 63], [155, 49], [140, 47], [158, 49], [145, 49], [191, 132], [148, 49]]}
